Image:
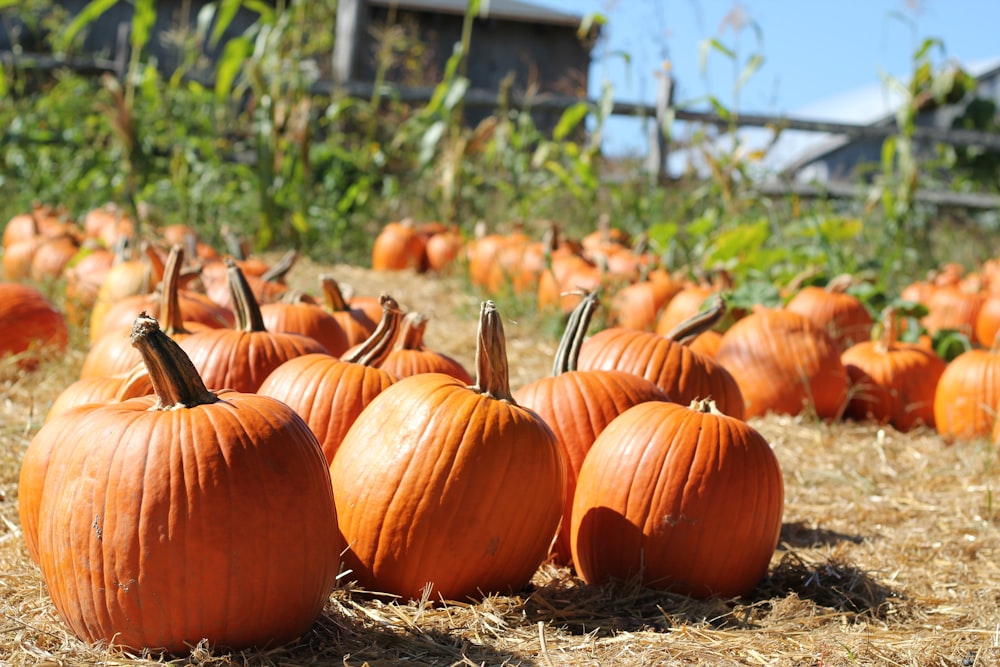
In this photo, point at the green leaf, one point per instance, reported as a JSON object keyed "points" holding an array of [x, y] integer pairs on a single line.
{"points": [[4, 4], [753, 64], [570, 119], [430, 140], [223, 17], [233, 55], [560, 172], [456, 92], [93, 11], [143, 20], [739, 242], [662, 234]]}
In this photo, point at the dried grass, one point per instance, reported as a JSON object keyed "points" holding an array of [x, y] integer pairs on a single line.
{"points": [[888, 555]]}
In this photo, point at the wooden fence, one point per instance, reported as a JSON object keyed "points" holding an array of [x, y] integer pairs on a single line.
{"points": [[660, 114]]}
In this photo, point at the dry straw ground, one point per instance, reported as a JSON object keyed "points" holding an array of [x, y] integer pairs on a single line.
{"points": [[888, 556]]}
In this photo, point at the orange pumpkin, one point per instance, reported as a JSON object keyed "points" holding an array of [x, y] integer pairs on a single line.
{"points": [[493, 469], [578, 405], [682, 498], [190, 510], [29, 324]]}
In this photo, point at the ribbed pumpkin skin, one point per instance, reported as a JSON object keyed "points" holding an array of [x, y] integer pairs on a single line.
{"points": [[308, 320], [241, 360], [28, 319], [893, 385], [841, 314], [578, 405], [687, 500], [685, 375], [438, 483], [327, 393], [784, 364], [160, 528], [967, 398]]}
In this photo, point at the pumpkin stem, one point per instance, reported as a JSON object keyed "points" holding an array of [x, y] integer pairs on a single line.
{"points": [[890, 326], [689, 329], [245, 305], [568, 353], [335, 300], [839, 284], [175, 380], [277, 272], [492, 372], [377, 346], [170, 303], [411, 332], [705, 405]]}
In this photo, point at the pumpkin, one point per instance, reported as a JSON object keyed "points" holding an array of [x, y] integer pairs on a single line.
{"points": [[183, 516], [125, 278], [102, 389], [578, 405], [399, 246], [784, 363], [668, 361], [266, 286], [443, 249], [446, 490], [637, 306], [355, 322], [967, 397], [891, 381], [293, 313], [682, 498], [410, 355], [844, 316], [29, 324], [240, 358], [329, 392]]}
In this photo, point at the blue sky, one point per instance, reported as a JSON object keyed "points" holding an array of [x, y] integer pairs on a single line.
{"points": [[813, 50]]}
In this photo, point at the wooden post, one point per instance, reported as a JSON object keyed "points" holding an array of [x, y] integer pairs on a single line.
{"points": [[659, 145], [352, 26]]}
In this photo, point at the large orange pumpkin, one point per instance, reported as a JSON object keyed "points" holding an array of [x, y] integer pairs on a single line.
{"points": [[449, 487], [967, 397], [169, 519], [784, 363], [681, 497]]}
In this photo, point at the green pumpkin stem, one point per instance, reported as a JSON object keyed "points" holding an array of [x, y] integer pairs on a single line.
{"points": [[375, 348], [175, 380], [577, 325], [492, 372], [689, 329], [245, 305]]}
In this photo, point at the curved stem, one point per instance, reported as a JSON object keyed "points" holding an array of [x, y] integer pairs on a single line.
{"points": [[689, 329], [377, 346], [279, 270], [411, 331], [492, 371], [170, 303], [245, 305], [175, 380], [335, 300], [568, 353]]}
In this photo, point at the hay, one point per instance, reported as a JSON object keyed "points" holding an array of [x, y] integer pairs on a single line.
{"points": [[889, 555]]}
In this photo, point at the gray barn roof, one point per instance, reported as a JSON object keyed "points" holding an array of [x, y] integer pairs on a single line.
{"points": [[513, 10]]}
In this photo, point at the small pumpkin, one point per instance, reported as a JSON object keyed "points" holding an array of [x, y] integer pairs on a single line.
{"points": [[410, 355], [29, 324], [891, 381], [330, 392], [240, 358]]}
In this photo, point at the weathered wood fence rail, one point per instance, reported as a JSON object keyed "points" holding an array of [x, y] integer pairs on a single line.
{"points": [[661, 115]]}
